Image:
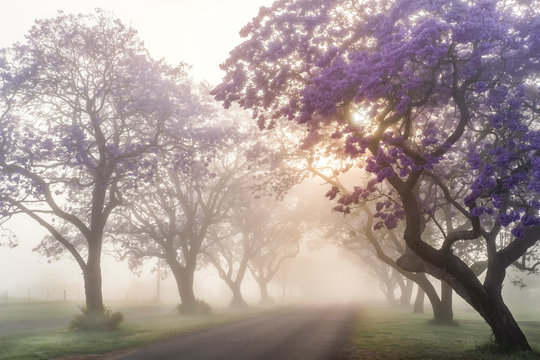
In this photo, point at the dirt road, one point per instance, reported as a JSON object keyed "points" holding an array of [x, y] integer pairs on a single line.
{"points": [[295, 333]]}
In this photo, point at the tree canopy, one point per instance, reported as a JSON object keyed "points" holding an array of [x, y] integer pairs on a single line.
{"points": [[409, 87], [86, 110]]}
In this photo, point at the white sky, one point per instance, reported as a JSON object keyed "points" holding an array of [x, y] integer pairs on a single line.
{"points": [[199, 32]]}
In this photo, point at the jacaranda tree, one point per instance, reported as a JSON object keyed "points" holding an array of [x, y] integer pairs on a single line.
{"points": [[410, 86], [170, 216], [87, 110]]}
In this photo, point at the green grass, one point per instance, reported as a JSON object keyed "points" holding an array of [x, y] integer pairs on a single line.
{"points": [[399, 334], [134, 332], [30, 311]]}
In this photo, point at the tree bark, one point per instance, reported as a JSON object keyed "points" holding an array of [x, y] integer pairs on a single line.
{"points": [[447, 314], [506, 331], [93, 282], [406, 288], [265, 298], [237, 300], [185, 288], [419, 301], [389, 294], [486, 299], [184, 282]]}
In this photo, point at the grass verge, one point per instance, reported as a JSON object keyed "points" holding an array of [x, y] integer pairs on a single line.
{"points": [[134, 332], [389, 334]]}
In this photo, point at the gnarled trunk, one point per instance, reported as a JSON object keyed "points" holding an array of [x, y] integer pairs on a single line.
{"points": [[506, 331], [486, 299], [440, 316]]}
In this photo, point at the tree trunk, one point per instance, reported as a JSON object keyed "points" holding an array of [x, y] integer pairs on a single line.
{"points": [[406, 288], [185, 288], [184, 282], [265, 298], [237, 300], [506, 331], [487, 300], [427, 288], [446, 303], [419, 301], [386, 285], [92, 283], [389, 294]]}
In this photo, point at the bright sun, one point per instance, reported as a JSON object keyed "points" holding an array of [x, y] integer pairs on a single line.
{"points": [[360, 117]]}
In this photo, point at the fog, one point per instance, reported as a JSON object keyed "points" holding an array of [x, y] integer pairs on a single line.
{"points": [[225, 162], [321, 272]]}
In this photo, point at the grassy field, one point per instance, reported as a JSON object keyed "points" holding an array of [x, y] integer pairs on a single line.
{"points": [[383, 333], [39, 331], [143, 324]]}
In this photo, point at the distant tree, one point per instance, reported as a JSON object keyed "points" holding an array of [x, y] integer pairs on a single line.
{"points": [[87, 108], [388, 248], [232, 247], [170, 217], [388, 278], [7, 99], [258, 236], [281, 234], [409, 86]]}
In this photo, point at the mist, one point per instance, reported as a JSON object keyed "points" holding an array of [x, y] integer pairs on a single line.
{"points": [[269, 179]]}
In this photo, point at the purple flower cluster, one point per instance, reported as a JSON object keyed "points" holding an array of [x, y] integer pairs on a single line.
{"points": [[437, 75], [508, 163]]}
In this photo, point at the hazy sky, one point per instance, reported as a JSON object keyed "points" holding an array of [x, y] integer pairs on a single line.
{"points": [[199, 32]]}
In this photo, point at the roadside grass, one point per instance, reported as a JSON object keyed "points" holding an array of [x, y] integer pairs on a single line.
{"points": [[383, 333], [30, 311], [135, 331]]}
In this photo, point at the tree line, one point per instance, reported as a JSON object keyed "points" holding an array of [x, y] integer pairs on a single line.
{"points": [[437, 101], [101, 144], [422, 117]]}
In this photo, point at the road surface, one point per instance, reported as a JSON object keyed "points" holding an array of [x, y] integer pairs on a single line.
{"points": [[309, 333]]}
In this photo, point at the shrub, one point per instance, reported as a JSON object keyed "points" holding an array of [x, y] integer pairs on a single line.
{"points": [[87, 320], [200, 307]]}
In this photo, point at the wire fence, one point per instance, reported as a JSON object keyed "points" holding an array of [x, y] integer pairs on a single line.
{"points": [[38, 295], [42, 295]]}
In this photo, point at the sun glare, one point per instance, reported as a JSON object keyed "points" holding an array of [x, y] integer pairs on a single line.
{"points": [[359, 117]]}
